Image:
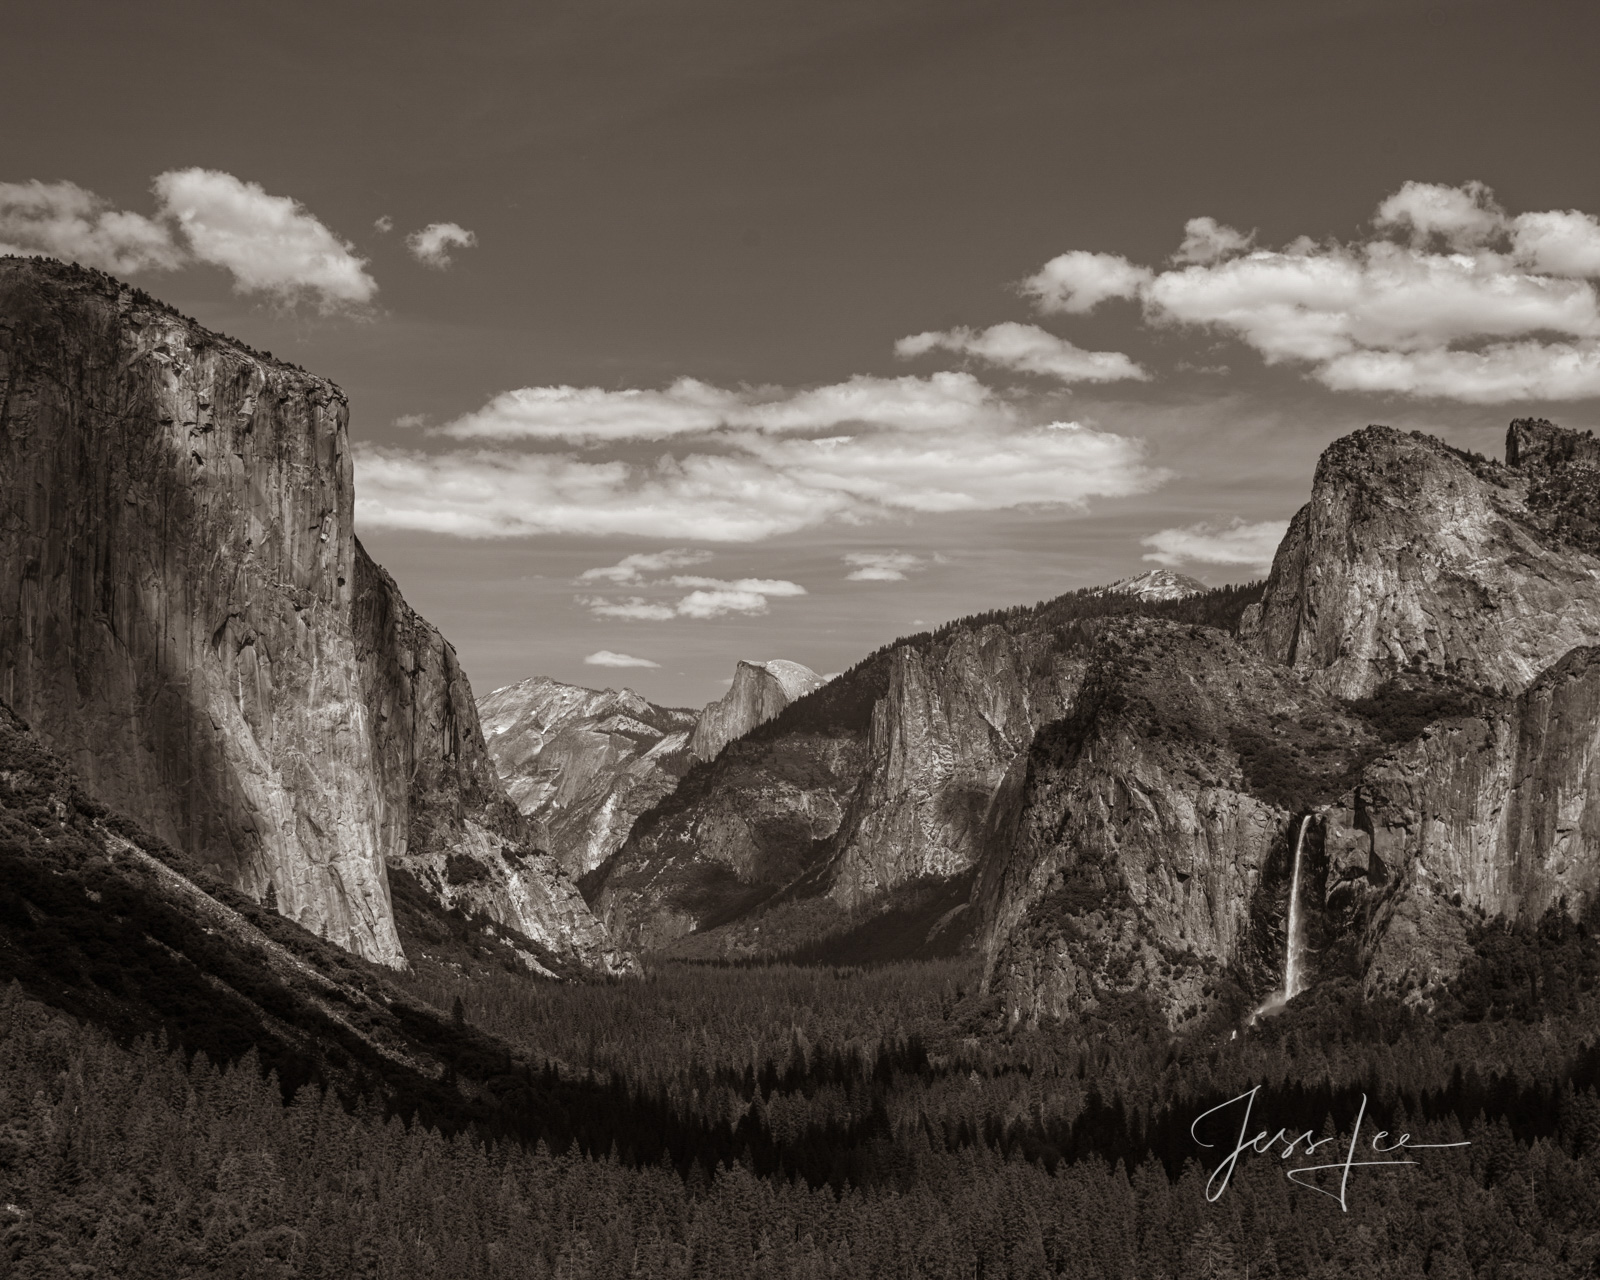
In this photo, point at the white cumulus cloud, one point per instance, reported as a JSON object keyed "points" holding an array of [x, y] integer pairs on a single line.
{"points": [[1232, 542], [62, 220], [1080, 281], [606, 658], [269, 244], [1207, 240], [1027, 349], [432, 245], [1449, 297]]}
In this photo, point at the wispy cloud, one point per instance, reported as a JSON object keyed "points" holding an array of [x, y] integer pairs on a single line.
{"points": [[269, 244], [883, 566], [634, 568], [1226, 542], [705, 598], [864, 450], [1026, 348], [432, 245], [606, 658]]}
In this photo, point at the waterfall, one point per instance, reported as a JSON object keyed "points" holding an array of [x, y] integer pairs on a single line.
{"points": [[1295, 960]]}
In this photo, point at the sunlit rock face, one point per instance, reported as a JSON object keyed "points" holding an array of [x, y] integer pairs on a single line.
{"points": [[1413, 555], [1158, 584], [900, 770], [444, 814], [1158, 816], [1494, 814], [1147, 866], [186, 616], [582, 764], [759, 691]]}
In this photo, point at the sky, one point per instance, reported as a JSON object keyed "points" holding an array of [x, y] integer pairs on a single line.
{"points": [[687, 331]]}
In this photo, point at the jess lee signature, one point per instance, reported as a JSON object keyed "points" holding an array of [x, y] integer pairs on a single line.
{"points": [[1263, 1143]]}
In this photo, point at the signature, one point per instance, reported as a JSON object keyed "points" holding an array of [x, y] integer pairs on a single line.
{"points": [[1300, 1175]]}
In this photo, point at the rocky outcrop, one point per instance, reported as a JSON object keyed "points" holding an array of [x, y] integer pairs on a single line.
{"points": [[901, 770], [444, 816], [759, 691], [1152, 854], [1158, 584], [582, 764], [1495, 814], [1413, 555], [186, 616], [1416, 692]]}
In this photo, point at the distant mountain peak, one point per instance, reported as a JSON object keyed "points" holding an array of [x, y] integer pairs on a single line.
{"points": [[1159, 584]]}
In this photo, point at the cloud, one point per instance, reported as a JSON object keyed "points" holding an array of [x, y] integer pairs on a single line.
{"points": [[383, 225], [1206, 240], [690, 407], [633, 609], [1211, 542], [758, 487], [1450, 297], [1080, 281], [606, 658], [710, 598], [1492, 375], [1561, 243], [411, 421], [431, 246], [269, 244], [882, 566], [1463, 217], [1028, 349], [632, 569], [62, 220]]}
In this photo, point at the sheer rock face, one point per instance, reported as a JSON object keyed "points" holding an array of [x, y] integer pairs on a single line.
{"points": [[582, 764], [902, 772], [178, 588], [1143, 865], [1412, 554], [444, 815], [759, 691], [1496, 814]]}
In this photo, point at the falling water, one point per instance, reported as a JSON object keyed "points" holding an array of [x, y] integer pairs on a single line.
{"points": [[1296, 956]]}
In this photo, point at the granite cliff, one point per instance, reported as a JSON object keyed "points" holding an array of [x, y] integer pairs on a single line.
{"points": [[759, 691], [889, 783], [582, 764], [1413, 554], [187, 618], [1416, 692]]}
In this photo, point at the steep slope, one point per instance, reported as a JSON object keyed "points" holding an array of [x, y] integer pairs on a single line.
{"points": [[759, 691], [1494, 813], [582, 764], [894, 777], [444, 816], [1413, 705], [1411, 554], [179, 580], [1152, 856]]}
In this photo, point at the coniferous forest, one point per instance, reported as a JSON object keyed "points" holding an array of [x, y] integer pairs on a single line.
{"points": [[786, 1121]]}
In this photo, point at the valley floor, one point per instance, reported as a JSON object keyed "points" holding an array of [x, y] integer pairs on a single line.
{"points": [[790, 1121]]}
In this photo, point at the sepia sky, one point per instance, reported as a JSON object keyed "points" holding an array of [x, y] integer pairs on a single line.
{"points": [[682, 331]]}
